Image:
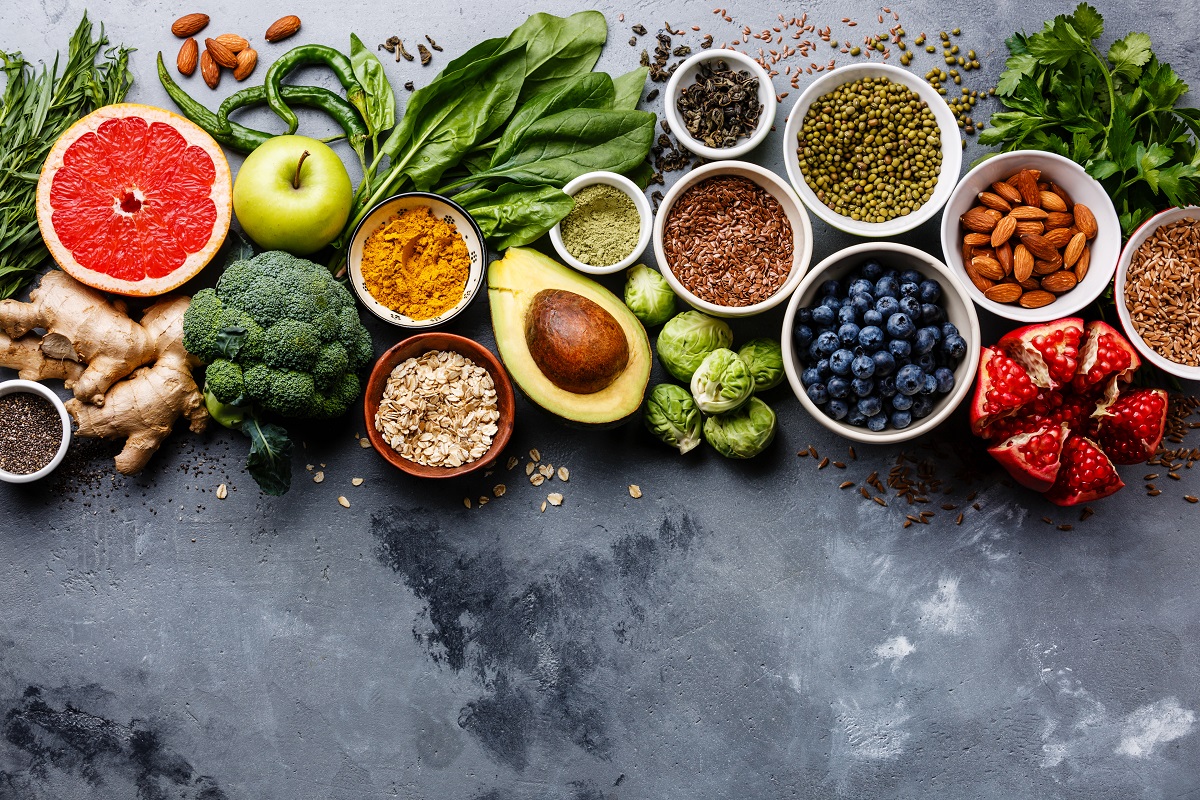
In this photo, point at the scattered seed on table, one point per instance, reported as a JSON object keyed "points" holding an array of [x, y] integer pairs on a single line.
{"points": [[555, 499], [803, 454], [538, 480], [309, 467], [543, 509], [356, 482], [1087, 512], [635, 491], [318, 476], [364, 443], [530, 467], [839, 465], [513, 461], [863, 491], [467, 502], [846, 484], [1191, 499], [1065, 527], [222, 492], [499, 489], [547, 471], [535, 455], [853, 455], [343, 501], [483, 500], [880, 501], [564, 474], [824, 463], [959, 519]]}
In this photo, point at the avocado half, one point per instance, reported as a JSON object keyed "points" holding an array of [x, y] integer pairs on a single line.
{"points": [[571, 346]]}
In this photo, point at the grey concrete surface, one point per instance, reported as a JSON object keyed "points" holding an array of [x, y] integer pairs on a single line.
{"points": [[743, 630]]}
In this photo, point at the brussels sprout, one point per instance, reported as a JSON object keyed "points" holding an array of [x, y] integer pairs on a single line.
{"points": [[687, 339], [672, 416], [743, 433], [765, 360], [722, 382], [648, 295]]}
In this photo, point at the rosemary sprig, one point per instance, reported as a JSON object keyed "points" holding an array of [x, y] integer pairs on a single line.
{"points": [[37, 106]]}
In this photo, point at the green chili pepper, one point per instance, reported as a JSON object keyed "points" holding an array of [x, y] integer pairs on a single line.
{"points": [[235, 137], [304, 55]]}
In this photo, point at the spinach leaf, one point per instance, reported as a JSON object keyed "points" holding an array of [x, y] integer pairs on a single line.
{"points": [[629, 89], [485, 49], [590, 90], [559, 48], [641, 174], [270, 461], [381, 100], [513, 215]]}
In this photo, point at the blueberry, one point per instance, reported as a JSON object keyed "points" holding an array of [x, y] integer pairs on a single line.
{"points": [[930, 385], [926, 361], [804, 316], [863, 366], [823, 368], [945, 380], [887, 387], [872, 270], [831, 301], [862, 303], [900, 349], [887, 286], [827, 342], [872, 317], [902, 402], [949, 329], [909, 289], [818, 393], [870, 406], [931, 291], [922, 406], [932, 314], [802, 335], [954, 347], [925, 341], [856, 417], [862, 387], [840, 361], [831, 286], [911, 306], [871, 338], [910, 379], [900, 326], [901, 419], [837, 409], [848, 334], [811, 376], [878, 422], [885, 362], [887, 306], [838, 388], [910, 276], [846, 313], [814, 352], [862, 286]]}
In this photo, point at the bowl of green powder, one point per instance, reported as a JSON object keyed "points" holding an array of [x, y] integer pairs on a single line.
{"points": [[609, 227]]}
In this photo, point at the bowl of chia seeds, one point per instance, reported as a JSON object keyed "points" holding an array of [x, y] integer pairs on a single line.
{"points": [[731, 239], [720, 104], [35, 431], [872, 149], [608, 229]]}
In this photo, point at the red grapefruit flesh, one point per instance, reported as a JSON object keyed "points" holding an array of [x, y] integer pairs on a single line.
{"points": [[134, 200]]}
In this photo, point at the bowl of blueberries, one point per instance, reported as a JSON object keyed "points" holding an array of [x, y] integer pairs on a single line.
{"points": [[880, 342]]}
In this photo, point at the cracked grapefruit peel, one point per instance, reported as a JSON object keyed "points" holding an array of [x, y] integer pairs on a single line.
{"points": [[134, 200]]}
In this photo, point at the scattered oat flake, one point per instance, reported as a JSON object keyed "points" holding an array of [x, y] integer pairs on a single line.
{"points": [[309, 467], [538, 480], [364, 443], [546, 470], [318, 476], [499, 489], [554, 498], [222, 492], [543, 509], [467, 502], [483, 500], [635, 491], [530, 467], [563, 474], [535, 455], [356, 481], [513, 461], [343, 502]]}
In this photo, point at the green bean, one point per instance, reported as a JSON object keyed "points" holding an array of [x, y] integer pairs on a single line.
{"points": [[303, 55]]}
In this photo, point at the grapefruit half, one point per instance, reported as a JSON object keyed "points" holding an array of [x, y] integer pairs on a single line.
{"points": [[134, 200]]}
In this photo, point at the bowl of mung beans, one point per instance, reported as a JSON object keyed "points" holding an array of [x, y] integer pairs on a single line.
{"points": [[872, 149], [732, 239]]}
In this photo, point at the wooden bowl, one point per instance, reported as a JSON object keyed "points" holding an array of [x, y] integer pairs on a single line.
{"points": [[419, 345]]}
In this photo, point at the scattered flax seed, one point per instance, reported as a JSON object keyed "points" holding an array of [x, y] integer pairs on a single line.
{"points": [[803, 454], [908, 523], [564, 474], [530, 467], [543, 508], [635, 491], [1047, 520], [343, 502], [1154, 492], [853, 455], [911, 518], [812, 451], [222, 492], [972, 496], [863, 491], [499, 489], [1087, 512], [534, 455], [318, 476], [959, 519], [1174, 476], [467, 502], [538, 480], [1150, 477], [554, 498], [948, 506], [880, 501], [512, 462], [1066, 526], [846, 484], [839, 465], [1191, 498], [977, 506], [356, 481], [824, 463]]}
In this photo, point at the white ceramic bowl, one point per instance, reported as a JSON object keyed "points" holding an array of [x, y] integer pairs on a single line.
{"points": [[32, 387], [947, 125], [959, 310], [796, 215], [441, 207], [1148, 229], [645, 215], [1083, 188], [685, 76]]}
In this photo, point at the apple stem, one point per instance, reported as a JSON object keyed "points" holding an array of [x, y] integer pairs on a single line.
{"points": [[296, 180]]}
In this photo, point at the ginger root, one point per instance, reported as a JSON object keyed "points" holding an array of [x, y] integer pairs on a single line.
{"points": [[135, 380]]}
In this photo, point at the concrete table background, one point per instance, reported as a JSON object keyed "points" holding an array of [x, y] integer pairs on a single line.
{"points": [[744, 629]]}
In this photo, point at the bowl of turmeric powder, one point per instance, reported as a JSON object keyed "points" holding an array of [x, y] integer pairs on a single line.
{"points": [[416, 260]]}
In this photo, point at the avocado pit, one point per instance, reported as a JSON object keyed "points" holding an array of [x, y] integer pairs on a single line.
{"points": [[575, 342]]}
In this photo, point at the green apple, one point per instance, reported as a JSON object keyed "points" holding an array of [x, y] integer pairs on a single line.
{"points": [[293, 193]]}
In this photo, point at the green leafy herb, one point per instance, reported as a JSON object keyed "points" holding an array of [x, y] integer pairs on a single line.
{"points": [[1115, 114], [513, 215], [629, 89], [590, 90], [270, 461], [37, 106], [380, 99]]}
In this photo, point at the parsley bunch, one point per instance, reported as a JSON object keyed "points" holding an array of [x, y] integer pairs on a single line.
{"points": [[1115, 115]]}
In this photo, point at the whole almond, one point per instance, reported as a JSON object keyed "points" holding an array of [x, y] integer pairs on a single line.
{"points": [[1059, 219], [220, 53], [246, 61], [1052, 202], [981, 283], [1062, 193], [1058, 282], [209, 70], [1085, 261], [1004, 293], [189, 56], [235, 43], [1004, 230], [1031, 284], [968, 252], [1022, 263], [1007, 191], [1041, 267], [988, 267], [1036, 299], [1040, 248], [189, 25], [1026, 184], [1004, 254], [1085, 220], [1030, 226], [282, 28], [981, 220], [1074, 249], [1058, 237], [976, 239], [993, 200], [1026, 213]]}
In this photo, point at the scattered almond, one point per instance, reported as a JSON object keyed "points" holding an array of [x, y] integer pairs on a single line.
{"points": [[1059, 219], [246, 61], [1068, 203], [235, 43], [212, 76], [1074, 249], [1052, 202], [189, 25], [1025, 182], [189, 57], [1081, 266], [1058, 237], [1040, 248], [282, 28], [1030, 226], [1004, 254], [988, 267], [976, 239], [220, 53]]}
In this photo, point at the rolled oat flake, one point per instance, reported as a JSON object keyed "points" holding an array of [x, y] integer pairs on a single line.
{"points": [[30, 432]]}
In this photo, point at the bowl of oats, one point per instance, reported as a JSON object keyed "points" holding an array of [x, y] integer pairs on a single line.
{"points": [[439, 406]]}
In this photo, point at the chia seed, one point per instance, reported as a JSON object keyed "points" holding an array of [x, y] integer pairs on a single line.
{"points": [[30, 432]]}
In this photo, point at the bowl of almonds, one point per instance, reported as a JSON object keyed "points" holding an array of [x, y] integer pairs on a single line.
{"points": [[1032, 235], [439, 406]]}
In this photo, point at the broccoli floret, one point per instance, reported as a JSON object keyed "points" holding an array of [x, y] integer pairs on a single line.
{"points": [[304, 343]]}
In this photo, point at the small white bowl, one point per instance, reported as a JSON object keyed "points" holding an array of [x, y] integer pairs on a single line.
{"points": [[1148, 229], [441, 207], [645, 217], [685, 75], [32, 387], [1083, 188], [802, 240], [947, 126], [959, 310]]}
